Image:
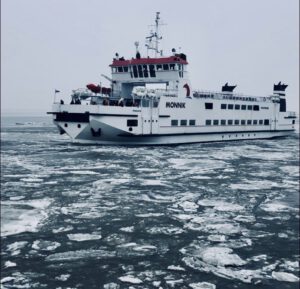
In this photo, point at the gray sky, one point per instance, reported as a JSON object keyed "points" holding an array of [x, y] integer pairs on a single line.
{"points": [[66, 44]]}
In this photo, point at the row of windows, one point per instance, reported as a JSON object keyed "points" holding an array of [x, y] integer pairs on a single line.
{"points": [[145, 71], [238, 107], [210, 105], [237, 122], [183, 122]]}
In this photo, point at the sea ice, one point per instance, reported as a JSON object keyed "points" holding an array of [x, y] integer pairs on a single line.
{"points": [[176, 268], [8, 264], [221, 256], [130, 279], [84, 237], [45, 245], [202, 285], [283, 276]]}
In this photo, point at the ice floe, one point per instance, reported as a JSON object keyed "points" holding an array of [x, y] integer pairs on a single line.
{"points": [[284, 276], [130, 279], [9, 264], [63, 277], [79, 237], [175, 268], [202, 285], [15, 248], [45, 245], [127, 229], [80, 254]]}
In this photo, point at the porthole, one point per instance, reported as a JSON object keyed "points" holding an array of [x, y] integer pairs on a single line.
{"points": [[79, 125], [66, 125], [130, 129]]}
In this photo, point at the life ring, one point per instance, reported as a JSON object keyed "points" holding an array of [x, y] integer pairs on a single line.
{"points": [[187, 89]]}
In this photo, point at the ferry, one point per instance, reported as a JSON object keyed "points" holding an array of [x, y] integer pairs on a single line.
{"points": [[150, 101]]}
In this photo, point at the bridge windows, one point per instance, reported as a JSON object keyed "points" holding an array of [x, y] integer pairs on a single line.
{"points": [[140, 70], [230, 106], [183, 122], [230, 122], [243, 122], [223, 121], [166, 66], [216, 122], [237, 106], [261, 121], [249, 107], [249, 122], [145, 71], [256, 107], [208, 105], [125, 68], [243, 107], [223, 105], [236, 122], [158, 67], [152, 70], [134, 69], [255, 121], [192, 122], [120, 69], [208, 122], [266, 122]]}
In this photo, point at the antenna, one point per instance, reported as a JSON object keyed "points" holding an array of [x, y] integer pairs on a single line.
{"points": [[155, 35]]}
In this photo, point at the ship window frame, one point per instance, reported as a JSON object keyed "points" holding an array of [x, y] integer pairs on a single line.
{"points": [[250, 107], [208, 122], [255, 122], [223, 105], [152, 70], [215, 122], [125, 69], [209, 105], [145, 102], [140, 70], [145, 71], [230, 122], [243, 122], [236, 122], [135, 71], [166, 67], [261, 122], [249, 121], [244, 107], [174, 122], [256, 107], [132, 122], [266, 122], [237, 106], [159, 67], [192, 122], [183, 122], [120, 69], [223, 121], [230, 106]]}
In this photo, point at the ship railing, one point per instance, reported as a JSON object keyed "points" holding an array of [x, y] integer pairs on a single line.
{"points": [[228, 95]]}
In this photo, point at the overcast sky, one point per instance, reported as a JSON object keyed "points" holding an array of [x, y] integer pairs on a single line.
{"points": [[66, 44]]}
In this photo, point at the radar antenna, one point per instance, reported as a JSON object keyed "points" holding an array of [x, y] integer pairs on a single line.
{"points": [[154, 35]]}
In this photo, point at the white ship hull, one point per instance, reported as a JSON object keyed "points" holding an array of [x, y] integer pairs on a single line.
{"points": [[183, 139]]}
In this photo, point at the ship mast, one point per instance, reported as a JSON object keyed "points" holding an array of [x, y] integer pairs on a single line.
{"points": [[156, 36]]}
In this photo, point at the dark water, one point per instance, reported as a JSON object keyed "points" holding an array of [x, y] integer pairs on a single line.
{"points": [[147, 217]]}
